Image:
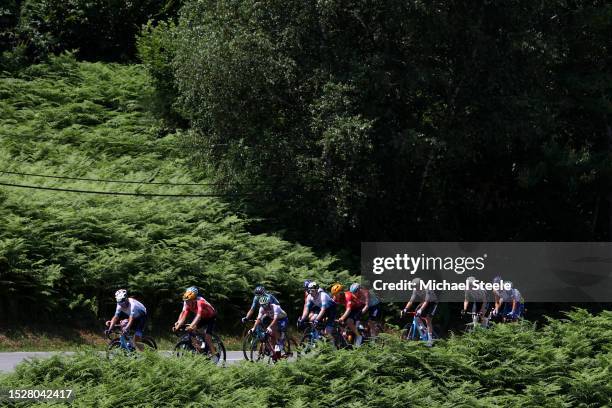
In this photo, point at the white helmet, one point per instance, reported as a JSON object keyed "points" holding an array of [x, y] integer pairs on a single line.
{"points": [[313, 286], [121, 295]]}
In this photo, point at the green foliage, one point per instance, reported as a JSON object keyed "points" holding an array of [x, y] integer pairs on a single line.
{"points": [[370, 119], [95, 29], [70, 252], [508, 366], [156, 50]]}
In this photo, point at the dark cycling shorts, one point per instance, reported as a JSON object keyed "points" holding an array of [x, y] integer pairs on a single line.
{"points": [[315, 310], [138, 325], [478, 306], [507, 308], [430, 310], [330, 313], [355, 315], [207, 324], [375, 312], [282, 324]]}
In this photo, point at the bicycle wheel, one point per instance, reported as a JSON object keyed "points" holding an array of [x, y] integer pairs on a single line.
{"points": [[247, 345], [308, 342], [290, 348], [262, 351], [184, 348], [149, 343], [407, 332], [114, 349], [220, 355]]}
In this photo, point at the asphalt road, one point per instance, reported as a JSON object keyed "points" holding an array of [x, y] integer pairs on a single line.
{"points": [[8, 361]]}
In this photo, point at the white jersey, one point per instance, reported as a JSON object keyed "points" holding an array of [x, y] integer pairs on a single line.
{"points": [[475, 295], [322, 300], [510, 295], [424, 296], [273, 312], [133, 309]]}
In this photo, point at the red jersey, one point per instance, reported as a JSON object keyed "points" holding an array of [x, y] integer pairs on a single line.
{"points": [[201, 307], [349, 300]]}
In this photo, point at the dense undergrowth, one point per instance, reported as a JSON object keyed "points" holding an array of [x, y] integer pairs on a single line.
{"points": [[567, 363], [63, 254]]}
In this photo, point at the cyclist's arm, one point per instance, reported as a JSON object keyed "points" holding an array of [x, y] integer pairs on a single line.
{"points": [[273, 322], [346, 313], [465, 304], [411, 301], [321, 313], [252, 309], [182, 318], [112, 321], [129, 323], [514, 305], [366, 299], [306, 310], [422, 306]]}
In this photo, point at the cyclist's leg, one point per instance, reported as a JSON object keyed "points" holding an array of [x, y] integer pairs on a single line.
{"points": [[208, 325], [428, 314], [374, 316], [330, 314], [138, 326]]}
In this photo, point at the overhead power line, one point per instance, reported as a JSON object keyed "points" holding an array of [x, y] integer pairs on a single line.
{"points": [[106, 180], [125, 193]]}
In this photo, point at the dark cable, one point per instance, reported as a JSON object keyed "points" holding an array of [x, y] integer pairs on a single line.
{"points": [[124, 193]]}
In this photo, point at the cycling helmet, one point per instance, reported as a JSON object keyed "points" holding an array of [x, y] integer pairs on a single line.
{"points": [[336, 288], [190, 293], [260, 290], [264, 300], [470, 279], [313, 286], [416, 282], [306, 283], [355, 288], [497, 279], [121, 295]]}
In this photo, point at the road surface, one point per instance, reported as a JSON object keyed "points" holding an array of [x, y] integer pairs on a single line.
{"points": [[8, 361]]}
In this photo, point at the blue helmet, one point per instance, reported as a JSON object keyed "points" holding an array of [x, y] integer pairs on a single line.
{"points": [[306, 284], [355, 288], [259, 290]]}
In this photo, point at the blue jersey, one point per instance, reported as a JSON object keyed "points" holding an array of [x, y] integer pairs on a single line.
{"points": [[255, 303]]}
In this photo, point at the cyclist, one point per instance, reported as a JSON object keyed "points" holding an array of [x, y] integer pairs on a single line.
{"points": [[314, 310], [372, 307], [353, 307], [278, 324], [509, 303], [136, 313], [205, 316], [320, 300], [478, 298], [426, 307], [257, 294]]}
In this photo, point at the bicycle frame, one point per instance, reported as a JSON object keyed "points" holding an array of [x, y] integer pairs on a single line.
{"points": [[417, 326]]}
